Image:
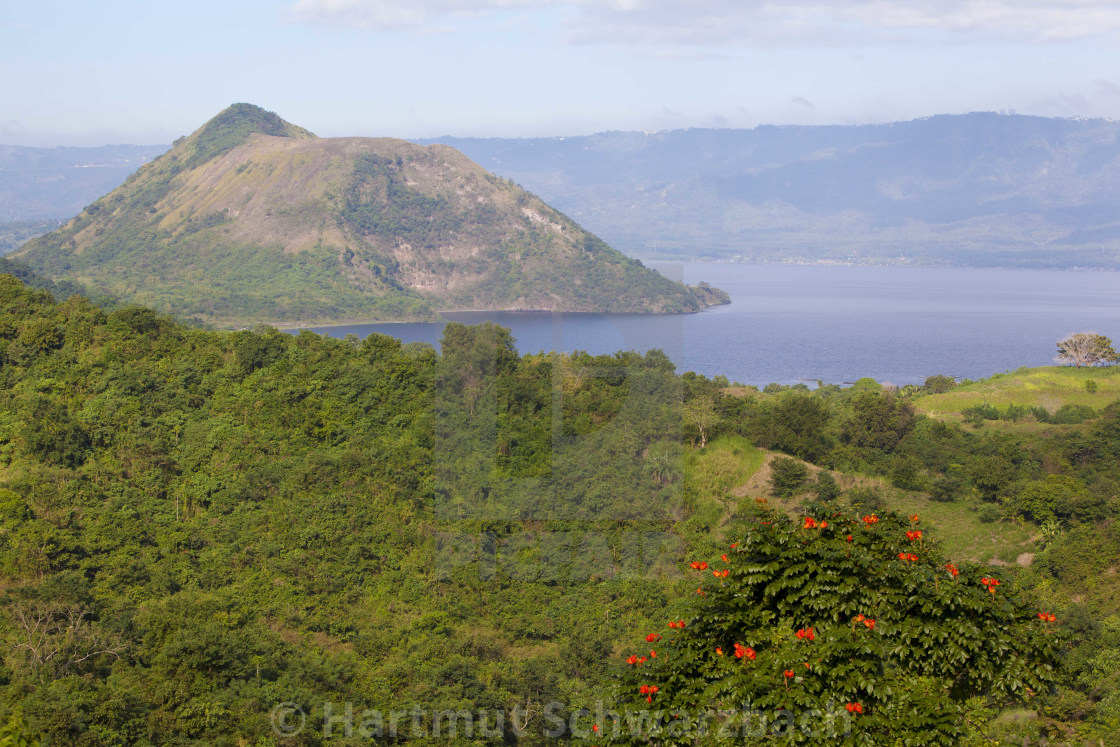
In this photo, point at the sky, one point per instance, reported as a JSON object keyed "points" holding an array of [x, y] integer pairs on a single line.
{"points": [[119, 71]]}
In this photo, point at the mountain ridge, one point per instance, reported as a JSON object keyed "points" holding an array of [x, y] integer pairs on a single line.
{"points": [[979, 189]]}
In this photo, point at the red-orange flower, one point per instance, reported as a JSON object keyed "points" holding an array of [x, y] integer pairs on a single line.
{"points": [[854, 708], [806, 633], [595, 728], [788, 673], [849, 538], [870, 519], [1047, 616], [952, 569], [809, 523], [991, 583], [914, 535], [869, 623], [806, 665], [724, 557], [742, 651], [633, 660], [653, 638], [719, 651]]}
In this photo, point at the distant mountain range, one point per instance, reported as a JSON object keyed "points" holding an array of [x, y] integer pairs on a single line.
{"points": [[56, 183], [253, 219], [40, 187], [975, 189]]}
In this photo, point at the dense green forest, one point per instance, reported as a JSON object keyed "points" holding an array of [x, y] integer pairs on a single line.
{"points": [[250, 538]]}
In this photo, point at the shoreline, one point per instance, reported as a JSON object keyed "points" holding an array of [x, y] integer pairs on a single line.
{"points": [[311, 326]]}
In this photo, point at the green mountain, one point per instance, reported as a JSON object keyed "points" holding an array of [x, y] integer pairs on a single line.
{"points": [[252, 219]]}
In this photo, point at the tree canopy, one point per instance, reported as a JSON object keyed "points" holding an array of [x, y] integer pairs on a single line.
{"points": [[835, 629], [1086, 349]]}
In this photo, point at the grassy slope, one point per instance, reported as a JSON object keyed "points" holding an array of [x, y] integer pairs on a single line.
{"points": [[730, 472], [1047, 386], [961, 533]]}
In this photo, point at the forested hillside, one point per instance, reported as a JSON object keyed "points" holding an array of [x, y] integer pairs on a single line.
{"points": [[199, 526]]}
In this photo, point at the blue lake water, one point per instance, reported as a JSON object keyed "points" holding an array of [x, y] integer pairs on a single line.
{"points": [[803, 323]]}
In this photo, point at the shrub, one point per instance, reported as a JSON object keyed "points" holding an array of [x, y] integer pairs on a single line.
{"points": [[948, 487], [939, 384], [865, 499], [1073, 414], [787, 476], [977, 414], [1041, 414], [989, 512], [1056, 496], [907, 474], [826, 488]]}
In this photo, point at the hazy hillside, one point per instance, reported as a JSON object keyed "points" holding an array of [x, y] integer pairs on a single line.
{"points": [[976, 189], [253, 219], [41, 184]]}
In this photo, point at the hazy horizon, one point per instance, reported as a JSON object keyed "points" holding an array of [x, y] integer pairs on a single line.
{"points": [[130, 72]]}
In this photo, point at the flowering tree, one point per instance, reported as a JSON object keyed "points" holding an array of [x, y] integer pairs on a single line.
{"points": [[837, 630]]}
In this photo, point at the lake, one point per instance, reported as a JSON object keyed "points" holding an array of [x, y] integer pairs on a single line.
{"points": [[794, 323]]}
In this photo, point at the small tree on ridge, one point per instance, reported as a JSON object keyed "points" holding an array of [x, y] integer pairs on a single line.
{"points": [[1086, 349]]}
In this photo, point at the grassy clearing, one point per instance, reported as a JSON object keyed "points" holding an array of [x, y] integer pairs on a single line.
{"points": [[1048, 386], [712, 472], [730, 472], [961, 533]]}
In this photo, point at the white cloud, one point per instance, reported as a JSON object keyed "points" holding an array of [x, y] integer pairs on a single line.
{"points": [[735, 23]]}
